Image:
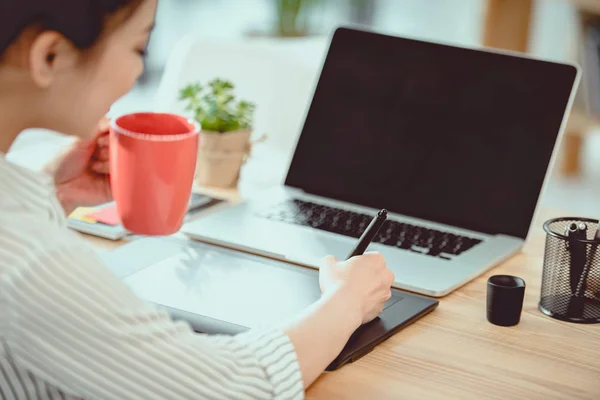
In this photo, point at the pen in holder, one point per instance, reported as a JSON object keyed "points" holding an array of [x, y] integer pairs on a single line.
{"points": [[571, 277]]}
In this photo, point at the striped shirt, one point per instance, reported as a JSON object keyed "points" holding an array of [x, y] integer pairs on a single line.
{"points": [[69, 329]]}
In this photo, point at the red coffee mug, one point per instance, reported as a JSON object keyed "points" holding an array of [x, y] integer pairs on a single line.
{"points": [[152, 163]]}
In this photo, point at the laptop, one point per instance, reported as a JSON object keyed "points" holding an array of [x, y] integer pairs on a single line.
{"points": [[455, 143], [222, 291]]}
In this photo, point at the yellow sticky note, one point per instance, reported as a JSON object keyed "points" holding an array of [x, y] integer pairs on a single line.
{"points": [[80, 214]]}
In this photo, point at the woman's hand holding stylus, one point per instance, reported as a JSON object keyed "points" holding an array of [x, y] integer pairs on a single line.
{"points": [[366, 279]]}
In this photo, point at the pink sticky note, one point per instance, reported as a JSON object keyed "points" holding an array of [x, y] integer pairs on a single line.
{"points": [[107, 215]]}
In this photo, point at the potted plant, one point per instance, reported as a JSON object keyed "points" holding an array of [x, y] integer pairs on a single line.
{"points": [[226, 126], [293, 19]]}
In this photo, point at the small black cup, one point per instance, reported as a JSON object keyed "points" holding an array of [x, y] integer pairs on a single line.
{"points": [[505, 295]]}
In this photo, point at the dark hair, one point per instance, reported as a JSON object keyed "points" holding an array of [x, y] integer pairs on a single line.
{"points": [[80, 21]]}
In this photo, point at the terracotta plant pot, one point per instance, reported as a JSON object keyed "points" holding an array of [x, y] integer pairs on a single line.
{"points": [[220, 157]]}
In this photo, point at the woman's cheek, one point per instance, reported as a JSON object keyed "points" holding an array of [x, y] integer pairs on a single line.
{"points": [[123, 74]]}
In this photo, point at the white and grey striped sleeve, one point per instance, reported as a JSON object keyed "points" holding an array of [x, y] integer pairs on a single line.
{"points": [[77, 327]]}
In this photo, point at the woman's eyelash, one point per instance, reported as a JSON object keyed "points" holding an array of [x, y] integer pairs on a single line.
{"points": [[142, 52]]}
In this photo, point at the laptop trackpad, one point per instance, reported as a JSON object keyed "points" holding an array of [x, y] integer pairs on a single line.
{"points": [[214, 283]]}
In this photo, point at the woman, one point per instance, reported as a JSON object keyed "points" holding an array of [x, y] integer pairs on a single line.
{"points": [[68, 328]]}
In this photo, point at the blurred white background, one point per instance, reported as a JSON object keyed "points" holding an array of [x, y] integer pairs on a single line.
{"points": [[452, 21]]}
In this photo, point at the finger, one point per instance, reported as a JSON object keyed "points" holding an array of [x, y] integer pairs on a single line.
{"points": [[388, 295], [103, 139], [390, 277], [102, 154], [103, 125], [330, 260], [101, 167], [376, 258]]}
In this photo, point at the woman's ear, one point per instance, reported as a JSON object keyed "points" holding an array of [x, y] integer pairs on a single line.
{"points": [[49, 55]]}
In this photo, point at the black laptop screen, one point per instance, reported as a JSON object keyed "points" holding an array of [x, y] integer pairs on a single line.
{"points": [[447, 134]]}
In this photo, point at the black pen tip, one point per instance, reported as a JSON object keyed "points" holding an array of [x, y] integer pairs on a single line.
{"points": [[382, 213]]}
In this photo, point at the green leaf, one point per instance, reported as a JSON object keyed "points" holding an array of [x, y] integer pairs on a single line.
{"points": [[214, 106]]}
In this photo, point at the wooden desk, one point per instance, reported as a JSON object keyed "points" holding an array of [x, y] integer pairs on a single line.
{"points": [[454, 353]]}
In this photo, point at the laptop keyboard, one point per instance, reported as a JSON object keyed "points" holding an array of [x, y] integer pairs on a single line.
{"points": [[405, 236]]}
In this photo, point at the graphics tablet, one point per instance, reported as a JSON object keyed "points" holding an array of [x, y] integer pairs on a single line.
{"points": [[222, 291]]}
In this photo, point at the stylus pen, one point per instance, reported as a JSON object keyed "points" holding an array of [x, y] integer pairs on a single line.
{"points": [[578, 254], [582, 286], [369, 234]]}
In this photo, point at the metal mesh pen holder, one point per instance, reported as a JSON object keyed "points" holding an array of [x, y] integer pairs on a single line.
{"points": [[571, 277]]}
